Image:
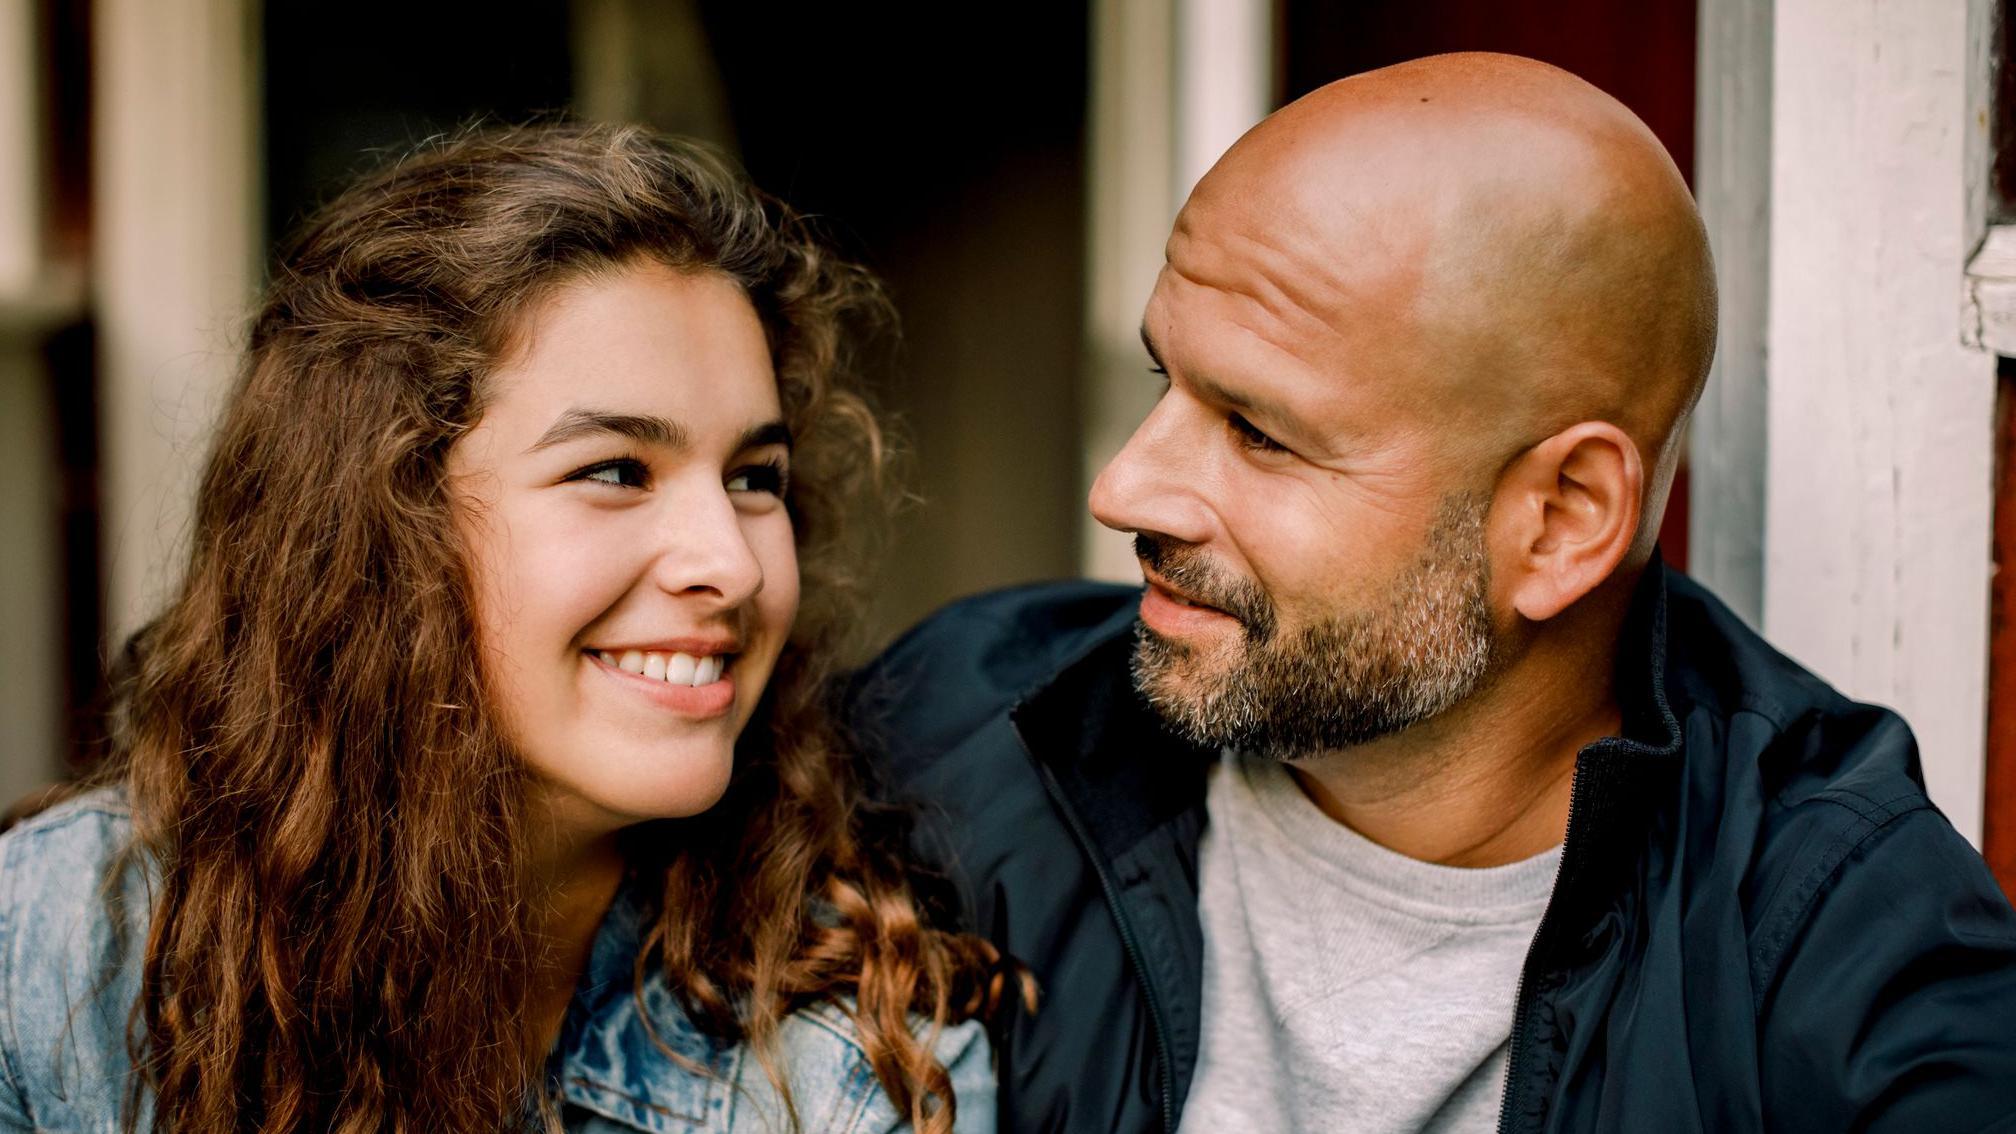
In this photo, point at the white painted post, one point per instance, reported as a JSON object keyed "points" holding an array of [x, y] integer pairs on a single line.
{"points": [[1173, 86], [1732, 182], [31, 297], [1224, 80], [21, 162], [177, 243], [1131, 200], [31, 688], [1879, 428]]}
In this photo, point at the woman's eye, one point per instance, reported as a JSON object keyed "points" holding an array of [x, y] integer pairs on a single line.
{"points": [[1250, 437], [758, 478], [624, 473]]}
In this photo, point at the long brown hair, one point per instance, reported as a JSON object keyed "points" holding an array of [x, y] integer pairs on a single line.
{"points": [[340, 921]]}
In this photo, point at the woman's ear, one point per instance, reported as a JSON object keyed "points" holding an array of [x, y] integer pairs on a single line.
{"points": [[1567, 514]]}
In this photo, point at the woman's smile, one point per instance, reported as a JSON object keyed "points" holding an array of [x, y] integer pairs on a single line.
{"points": [[695, 685]]}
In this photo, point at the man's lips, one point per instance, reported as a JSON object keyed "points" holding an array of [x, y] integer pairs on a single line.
{"points": [[1176, 594], [1166, 610]]}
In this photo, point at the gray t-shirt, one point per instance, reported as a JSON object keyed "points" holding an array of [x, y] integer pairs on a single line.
{"points": [[1347, 987]]}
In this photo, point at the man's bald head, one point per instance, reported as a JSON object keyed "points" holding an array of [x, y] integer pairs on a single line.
{"points": [[1504, 248], [1429, 336]]}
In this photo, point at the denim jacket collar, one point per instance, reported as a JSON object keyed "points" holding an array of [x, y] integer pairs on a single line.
{"points": [[608, 1059]]}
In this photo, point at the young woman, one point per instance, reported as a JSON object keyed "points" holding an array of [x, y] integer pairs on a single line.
{"points": [[479, 776]]}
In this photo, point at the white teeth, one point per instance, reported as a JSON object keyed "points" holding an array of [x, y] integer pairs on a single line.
{"points": [[673, 669], [680, 670]]}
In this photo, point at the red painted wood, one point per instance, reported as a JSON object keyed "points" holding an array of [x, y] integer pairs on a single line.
{"points": [[1640, 51], [1998, 829]]}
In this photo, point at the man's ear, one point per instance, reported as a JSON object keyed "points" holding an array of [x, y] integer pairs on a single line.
{"points": [[1566, 515]]}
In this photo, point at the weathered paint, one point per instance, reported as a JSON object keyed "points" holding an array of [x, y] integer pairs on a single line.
{"points": [[1988, 315], [1879, 423]]}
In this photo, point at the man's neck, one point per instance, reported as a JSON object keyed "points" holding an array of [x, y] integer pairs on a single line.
{"points": [[1482, 785]]}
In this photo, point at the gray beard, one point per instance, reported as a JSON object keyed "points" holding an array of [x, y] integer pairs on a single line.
{"points": [[1341, 681]]}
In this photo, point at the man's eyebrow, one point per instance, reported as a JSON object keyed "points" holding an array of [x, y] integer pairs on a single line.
{"points": [[1212, 390], [579, 422]]}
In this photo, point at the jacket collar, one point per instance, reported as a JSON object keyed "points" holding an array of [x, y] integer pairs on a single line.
{"points": [[1619, 780], [1645, 668], [1121, 768], [609, 1058]]}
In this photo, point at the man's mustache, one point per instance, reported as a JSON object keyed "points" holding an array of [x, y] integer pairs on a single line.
{"points": [[1189, 569]]}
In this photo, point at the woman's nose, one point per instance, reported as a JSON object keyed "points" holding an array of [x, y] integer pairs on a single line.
{"points": [[706, 552]]}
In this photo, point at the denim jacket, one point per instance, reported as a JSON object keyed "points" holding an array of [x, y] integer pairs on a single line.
{"points": [[69, 976]]}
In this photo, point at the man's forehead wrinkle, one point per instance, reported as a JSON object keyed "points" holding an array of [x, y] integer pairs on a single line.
{"points": [[1238, 253], [1298, 284], [1235, 316]]}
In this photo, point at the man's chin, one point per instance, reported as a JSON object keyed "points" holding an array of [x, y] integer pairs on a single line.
{"points": [[1181, 680]]}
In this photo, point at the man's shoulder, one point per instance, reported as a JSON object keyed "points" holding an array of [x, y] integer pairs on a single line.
{"points": [[977, 658], [1807, 741], [1830, 786], [1723, 662]]}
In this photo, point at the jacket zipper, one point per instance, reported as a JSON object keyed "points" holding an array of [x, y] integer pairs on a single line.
{"points": [[1128, 943], [1520, 1008]]}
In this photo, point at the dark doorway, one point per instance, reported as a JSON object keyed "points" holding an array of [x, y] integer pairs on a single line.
{"points": [[951, 155], [949, 159]]}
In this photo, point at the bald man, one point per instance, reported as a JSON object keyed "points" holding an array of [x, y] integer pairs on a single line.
{"points": [[1412, 792]]}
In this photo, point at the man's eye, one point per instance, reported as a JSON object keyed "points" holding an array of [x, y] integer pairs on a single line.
{"points": [[769, 478], [1250, 437], [625, 472]]}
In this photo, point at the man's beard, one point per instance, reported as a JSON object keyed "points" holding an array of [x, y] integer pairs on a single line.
{"points": [[1341, 681]]}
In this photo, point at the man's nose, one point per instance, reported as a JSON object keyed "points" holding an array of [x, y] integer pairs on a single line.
{"points": [[706, 551], [1152, 484]]}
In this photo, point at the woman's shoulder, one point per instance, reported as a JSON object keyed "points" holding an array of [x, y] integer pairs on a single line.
{"points": [[70, 937], [833, 1083], [638, 1060], [84, 823], [56, 865]]}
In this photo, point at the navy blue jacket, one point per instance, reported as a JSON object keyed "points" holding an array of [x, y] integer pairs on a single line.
{"points": [[1760, 922]]}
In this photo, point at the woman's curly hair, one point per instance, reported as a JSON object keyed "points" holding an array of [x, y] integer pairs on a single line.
{"points": [[339, 938]]}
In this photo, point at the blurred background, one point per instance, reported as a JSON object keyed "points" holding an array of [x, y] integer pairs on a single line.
{"points": [[1011, 173]]}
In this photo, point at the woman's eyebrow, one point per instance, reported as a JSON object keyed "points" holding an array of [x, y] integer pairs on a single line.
{"points": [[768, 433], [580, 422]]}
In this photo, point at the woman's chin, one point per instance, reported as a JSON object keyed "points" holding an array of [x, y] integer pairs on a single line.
{"points": [[666, 789]]}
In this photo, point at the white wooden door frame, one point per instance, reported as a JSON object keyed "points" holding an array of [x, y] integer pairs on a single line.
{"points": [[1842, 167], [178, 236]]}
